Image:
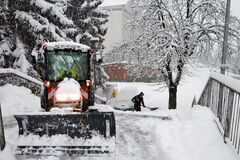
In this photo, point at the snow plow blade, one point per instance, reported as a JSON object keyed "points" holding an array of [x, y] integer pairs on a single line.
{"points": [[64, 151], [69, 134]]}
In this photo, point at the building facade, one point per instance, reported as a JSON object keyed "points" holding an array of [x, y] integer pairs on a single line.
{"points": [[119, 14]]}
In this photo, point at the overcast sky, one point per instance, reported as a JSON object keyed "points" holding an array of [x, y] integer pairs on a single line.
{"points": [[235, 7]]}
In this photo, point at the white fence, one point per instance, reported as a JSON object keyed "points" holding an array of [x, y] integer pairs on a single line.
{"points": [[222, 96]]}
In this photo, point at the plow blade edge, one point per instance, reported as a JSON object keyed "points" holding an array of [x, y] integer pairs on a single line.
{"points": [[79, 128]]}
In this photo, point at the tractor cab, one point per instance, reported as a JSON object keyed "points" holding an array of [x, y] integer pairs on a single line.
{"points": [[65, 65], [66, 68]]}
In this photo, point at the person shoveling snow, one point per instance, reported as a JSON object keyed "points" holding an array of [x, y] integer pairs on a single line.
{"points": [[138, 100]]}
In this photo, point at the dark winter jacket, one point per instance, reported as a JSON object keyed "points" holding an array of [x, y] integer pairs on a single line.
{"points": [[138, 100]]}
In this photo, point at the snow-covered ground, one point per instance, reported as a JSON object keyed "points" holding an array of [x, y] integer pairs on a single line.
{"points": [[188, 133]]}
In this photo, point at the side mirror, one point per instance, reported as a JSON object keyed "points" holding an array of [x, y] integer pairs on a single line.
{"points": [[40, 57], [37, 58]]}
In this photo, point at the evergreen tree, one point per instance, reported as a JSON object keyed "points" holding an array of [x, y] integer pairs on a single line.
{"points": [[27, 23], [89, 21]]}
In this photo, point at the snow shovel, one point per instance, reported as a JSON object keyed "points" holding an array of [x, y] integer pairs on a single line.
{"points": [[151, 108]]}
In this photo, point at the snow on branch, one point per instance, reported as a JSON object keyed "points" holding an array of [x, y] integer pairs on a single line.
{"points": [[34, 24], [54, 10]]}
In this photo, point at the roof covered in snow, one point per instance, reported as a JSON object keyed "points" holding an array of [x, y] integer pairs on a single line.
{"points": [[113, 2], [65, 45]]}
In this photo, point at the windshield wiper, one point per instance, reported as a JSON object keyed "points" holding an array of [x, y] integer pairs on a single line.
{"points": [[75, 62]]}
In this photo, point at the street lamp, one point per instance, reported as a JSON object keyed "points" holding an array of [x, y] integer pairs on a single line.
{"points": [[225, 39]]}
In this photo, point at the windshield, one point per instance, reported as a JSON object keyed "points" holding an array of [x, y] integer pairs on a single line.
{"points": [[67, 64]]}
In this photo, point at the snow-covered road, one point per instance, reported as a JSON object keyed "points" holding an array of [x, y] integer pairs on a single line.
{"points": [[184, 135], [132, 141]]}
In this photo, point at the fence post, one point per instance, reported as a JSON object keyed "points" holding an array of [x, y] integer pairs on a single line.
{"points": [[194, 102], [229, 114], [2, 136], [220, 105]]}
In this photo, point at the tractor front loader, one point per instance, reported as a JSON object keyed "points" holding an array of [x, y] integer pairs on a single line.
{"points": [[68, 126]]}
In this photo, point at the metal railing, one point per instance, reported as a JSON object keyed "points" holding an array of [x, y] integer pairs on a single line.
{"points": [[222, 95]]}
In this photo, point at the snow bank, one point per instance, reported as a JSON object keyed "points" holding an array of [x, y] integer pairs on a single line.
{"points": [[153, 97], [69, 87], [192, 86], [63, 140], [10, 70], [15, 99], [190, 135], [102, 108], [123, 99], [66, 110], [156, 95]]}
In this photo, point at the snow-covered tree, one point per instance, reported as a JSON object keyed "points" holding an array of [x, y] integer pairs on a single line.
{"points": [[171, 33], [89, 21], [27, 23]]}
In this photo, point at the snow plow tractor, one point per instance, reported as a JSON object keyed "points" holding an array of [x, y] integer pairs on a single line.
{"points": [[68, 127]]}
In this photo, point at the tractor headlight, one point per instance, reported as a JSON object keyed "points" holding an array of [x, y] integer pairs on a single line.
{"points": [[74, 97], [68, 97], [61, 97]]}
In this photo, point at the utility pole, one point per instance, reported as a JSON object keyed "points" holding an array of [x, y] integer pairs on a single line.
{"points": [[225, 39]]}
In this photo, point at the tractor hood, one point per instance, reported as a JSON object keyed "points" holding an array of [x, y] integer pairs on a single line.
{"points": [[68, 86], [68, 89]]}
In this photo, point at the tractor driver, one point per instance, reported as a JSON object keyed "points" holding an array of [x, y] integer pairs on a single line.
{"points": [[70, 73]]}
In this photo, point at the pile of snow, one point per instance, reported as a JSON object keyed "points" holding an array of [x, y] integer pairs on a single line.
{"points": [[61, 110], [192, 86], [63, 140], [102, 108], [123, 99], [16, 100], [189, 135], [156, 95], [68, 87], [152, 96]]}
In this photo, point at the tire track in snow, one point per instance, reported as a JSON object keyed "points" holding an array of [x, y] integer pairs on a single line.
{"points": [[132, 142]]}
